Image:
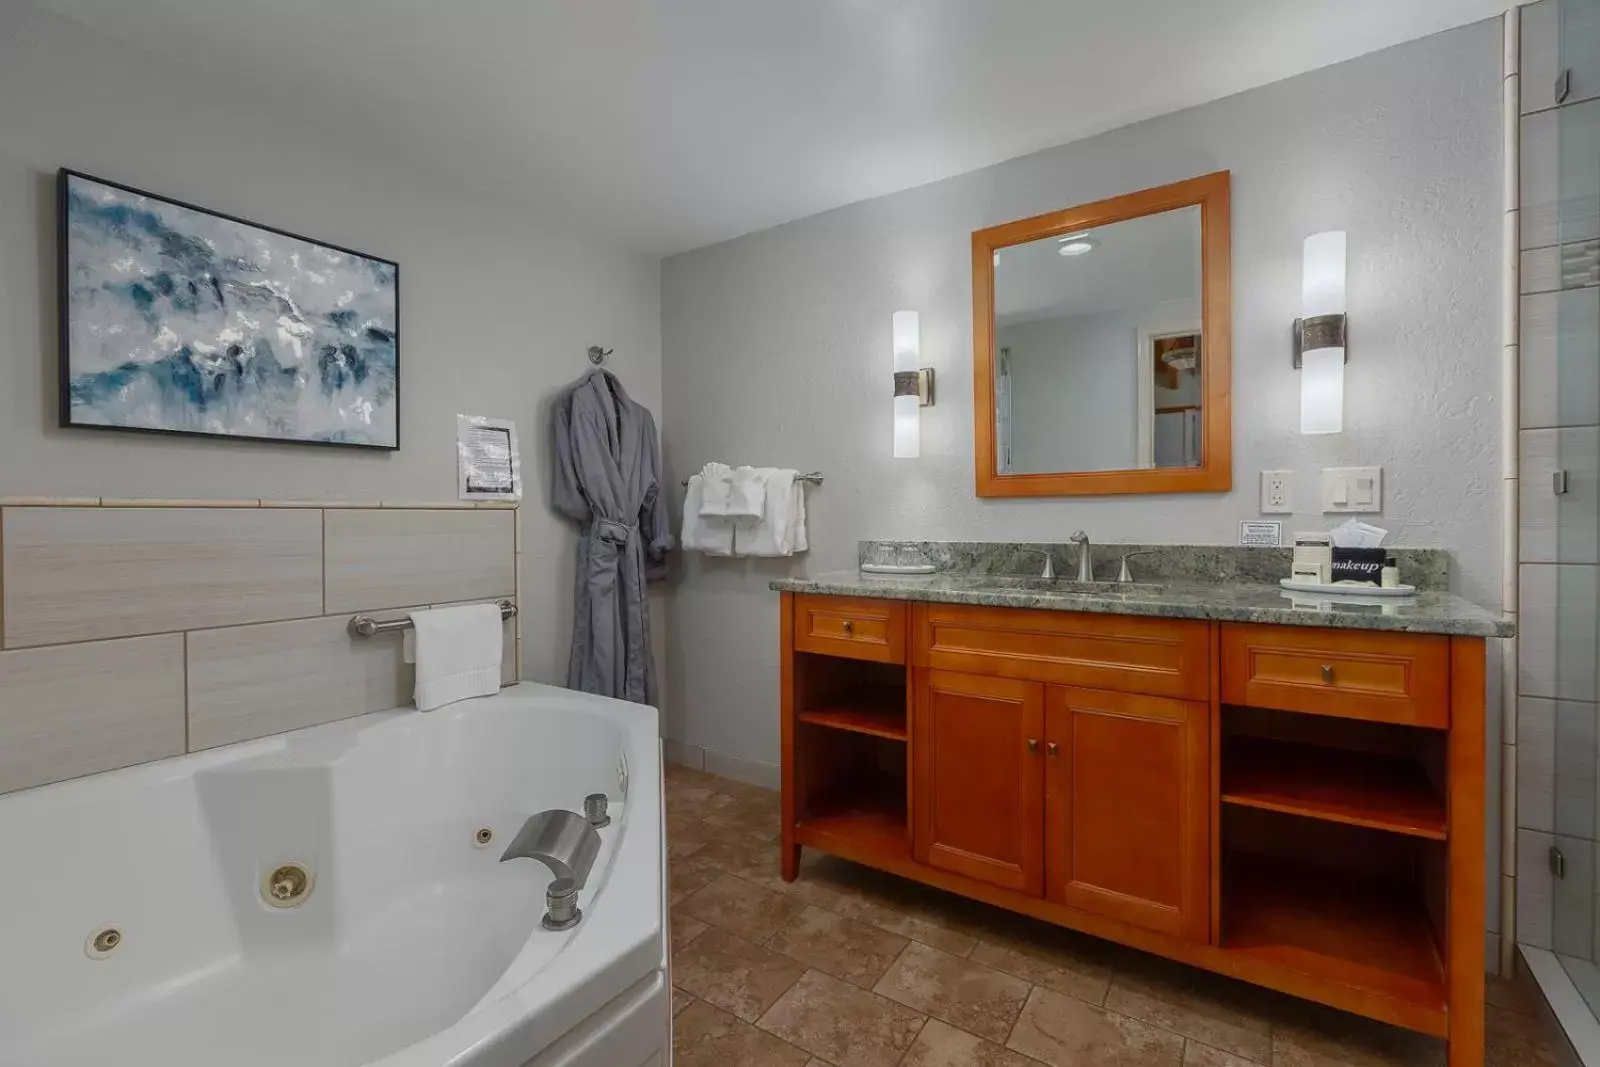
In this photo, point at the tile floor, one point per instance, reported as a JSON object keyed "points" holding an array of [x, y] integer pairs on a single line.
{"points": [[853, 968]]}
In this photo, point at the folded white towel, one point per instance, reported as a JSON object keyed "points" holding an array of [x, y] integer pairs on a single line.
{"points": [[781, 531], [717, 488], [702, 533], [458, 653], [747, 496]]}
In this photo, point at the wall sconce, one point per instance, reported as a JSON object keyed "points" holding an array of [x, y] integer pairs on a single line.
{"points": [[1319, 337], [913, 385]]}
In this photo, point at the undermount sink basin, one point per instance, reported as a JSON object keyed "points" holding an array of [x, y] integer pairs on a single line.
{"points": [[1069, 585]]}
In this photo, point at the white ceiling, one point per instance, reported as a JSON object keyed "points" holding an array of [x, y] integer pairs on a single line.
{"points": [[1137, 263], [670, 124]]}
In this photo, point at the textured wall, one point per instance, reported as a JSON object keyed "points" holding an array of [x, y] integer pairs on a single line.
{"points": [[776, 346], [497, 307]]}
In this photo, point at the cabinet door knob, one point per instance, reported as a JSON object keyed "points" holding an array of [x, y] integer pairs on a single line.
{"points": [[849, 626], [1052, 749], [1033, 744], [1327, 673]]}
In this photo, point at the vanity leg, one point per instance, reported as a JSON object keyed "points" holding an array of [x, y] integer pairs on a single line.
{"points": [[787, 807], [791, 860]]}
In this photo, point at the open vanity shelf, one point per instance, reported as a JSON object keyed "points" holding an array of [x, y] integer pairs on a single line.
{"points": [[1296, 807]]}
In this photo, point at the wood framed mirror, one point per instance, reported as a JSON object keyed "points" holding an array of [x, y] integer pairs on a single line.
{"points": [[1101, 347]]}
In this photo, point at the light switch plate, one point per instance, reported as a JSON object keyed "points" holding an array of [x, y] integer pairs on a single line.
{"points": [[1277, 492], [1352, 489]]}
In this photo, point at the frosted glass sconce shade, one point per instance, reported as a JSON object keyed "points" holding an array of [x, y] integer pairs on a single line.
{"points": [[1319, 349], [913, 386]]}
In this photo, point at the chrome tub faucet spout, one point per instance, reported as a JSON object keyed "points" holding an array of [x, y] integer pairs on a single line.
{"points": [[561, 840]]}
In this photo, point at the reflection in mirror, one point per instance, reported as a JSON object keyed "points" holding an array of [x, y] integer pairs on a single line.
{"points": [[1099, 364]]}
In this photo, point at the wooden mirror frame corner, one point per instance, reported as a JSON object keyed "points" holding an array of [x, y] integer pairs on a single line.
{"points": [[1210, 193]]}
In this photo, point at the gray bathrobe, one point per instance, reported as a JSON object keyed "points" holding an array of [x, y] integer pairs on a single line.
{"points": [[608, 477]]}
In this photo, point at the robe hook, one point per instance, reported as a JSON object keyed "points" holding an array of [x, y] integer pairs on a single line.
{"points": [[597, 355]]}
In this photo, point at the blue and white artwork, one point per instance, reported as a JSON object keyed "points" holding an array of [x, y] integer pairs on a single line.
{"points": [[179, 320]]}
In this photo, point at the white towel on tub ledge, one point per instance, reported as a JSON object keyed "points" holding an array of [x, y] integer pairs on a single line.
{"points": [[458, 653]]}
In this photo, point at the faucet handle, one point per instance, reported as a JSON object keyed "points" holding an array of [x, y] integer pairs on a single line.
{"points": [[1125, 575], [1080, 537]]}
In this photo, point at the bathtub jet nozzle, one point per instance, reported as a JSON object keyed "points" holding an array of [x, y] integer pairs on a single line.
{"points": [[561, 840]]}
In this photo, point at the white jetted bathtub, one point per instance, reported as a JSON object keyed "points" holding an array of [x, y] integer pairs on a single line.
{"points": [[414, 947]]}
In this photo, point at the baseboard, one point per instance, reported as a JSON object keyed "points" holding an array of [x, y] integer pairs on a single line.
{"points": [[692, 756], [1491, 952], [749, 771]]}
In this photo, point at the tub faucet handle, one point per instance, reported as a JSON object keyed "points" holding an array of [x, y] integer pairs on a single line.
{"points": [[594, 809], [561, 905]]}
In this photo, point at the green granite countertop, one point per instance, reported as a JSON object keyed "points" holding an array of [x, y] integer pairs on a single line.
{"points": [[1424, 613]]}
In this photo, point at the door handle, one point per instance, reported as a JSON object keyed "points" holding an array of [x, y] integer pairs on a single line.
{"points": [[1052, 749], [849, 627], [1033, 745], [1327, 673]]}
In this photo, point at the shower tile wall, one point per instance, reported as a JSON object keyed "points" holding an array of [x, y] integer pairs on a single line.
{"points": [[1558, 753]]}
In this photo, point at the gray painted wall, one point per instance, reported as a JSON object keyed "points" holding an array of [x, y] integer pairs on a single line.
{"points": [[497, 307], [777, 347]]}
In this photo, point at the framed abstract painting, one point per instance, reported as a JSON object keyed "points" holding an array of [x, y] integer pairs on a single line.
{"points": [[179, 320]]}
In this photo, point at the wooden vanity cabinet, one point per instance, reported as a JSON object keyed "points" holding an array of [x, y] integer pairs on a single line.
{"points": [[1297, 807]]}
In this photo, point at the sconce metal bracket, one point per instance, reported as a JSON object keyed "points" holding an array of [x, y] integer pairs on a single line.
{"points": [[917, 383], [1322, 331]]}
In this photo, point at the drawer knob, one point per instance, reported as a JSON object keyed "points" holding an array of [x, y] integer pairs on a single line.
{"points": [[850, 628], [1052, 749], [1327, 673], [1033, 744]]}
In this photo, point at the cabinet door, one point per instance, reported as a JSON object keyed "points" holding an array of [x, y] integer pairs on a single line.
{"points": [[978, 779], [1126, 808]]}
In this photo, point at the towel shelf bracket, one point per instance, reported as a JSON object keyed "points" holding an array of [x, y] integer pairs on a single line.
{"points": [[367, 626]]}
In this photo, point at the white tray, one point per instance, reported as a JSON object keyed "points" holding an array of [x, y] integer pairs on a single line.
{"points": [[1346, 590], [898, 568]]}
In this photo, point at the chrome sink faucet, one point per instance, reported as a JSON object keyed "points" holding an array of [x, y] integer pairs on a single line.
{"points": [[1085, 564]]}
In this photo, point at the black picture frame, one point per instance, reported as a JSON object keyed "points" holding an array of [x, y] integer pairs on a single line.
{"points": [[64, 176]]}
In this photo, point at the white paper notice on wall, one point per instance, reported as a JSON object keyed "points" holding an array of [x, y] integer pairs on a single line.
{"points": [[488, 466], [1260, 534]]}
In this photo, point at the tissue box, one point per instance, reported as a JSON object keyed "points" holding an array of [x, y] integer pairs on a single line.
{"points": [[1363, 565]]}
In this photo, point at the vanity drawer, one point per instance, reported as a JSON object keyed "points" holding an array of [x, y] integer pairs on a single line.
{"points": [[853, 627], [1380, 677], [1123, 653]]}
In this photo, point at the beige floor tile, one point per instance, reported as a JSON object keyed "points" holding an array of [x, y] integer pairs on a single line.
{"points": [[841, 1023], [695, 801], [685, 928], [758, 818], [1516, 1040], [685, 836], [687, 875], [743, 908], [706, 1036], [975, 998], [921, 926], [1205, 1007], [1517, 996], [1074, 978], [680, 1000], [739, 854], [1197, 1055], [854, 951], [734, 974], [1066, 1032], [1322, 1037], [941, 1045]]}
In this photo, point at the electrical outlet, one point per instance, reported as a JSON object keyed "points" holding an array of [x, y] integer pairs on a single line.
{"points": [[1352, 489], [1277, 492]]}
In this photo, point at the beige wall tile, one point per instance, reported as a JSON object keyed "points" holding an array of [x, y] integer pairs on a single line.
{"points": [[1560, 359], [389, 558], [1540, 270], [85, 574], [252, 681], [1540, 60], [81, 709]]}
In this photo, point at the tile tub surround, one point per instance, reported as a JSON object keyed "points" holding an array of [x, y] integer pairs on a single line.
{"points": [[872, 969], [1426, 568], [1425, 613], [138, 630]]}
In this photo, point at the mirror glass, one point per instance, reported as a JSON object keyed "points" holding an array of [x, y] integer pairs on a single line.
{"points": [[1098, 359]]}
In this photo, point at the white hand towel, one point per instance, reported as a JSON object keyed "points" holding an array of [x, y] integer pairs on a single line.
{"points": [[717, 487], [458, 653], [703, 533], [747, 496], [781, 531]]}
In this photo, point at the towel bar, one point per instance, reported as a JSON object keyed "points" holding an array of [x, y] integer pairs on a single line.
{"points": [[367, 626], [814, 478]]}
